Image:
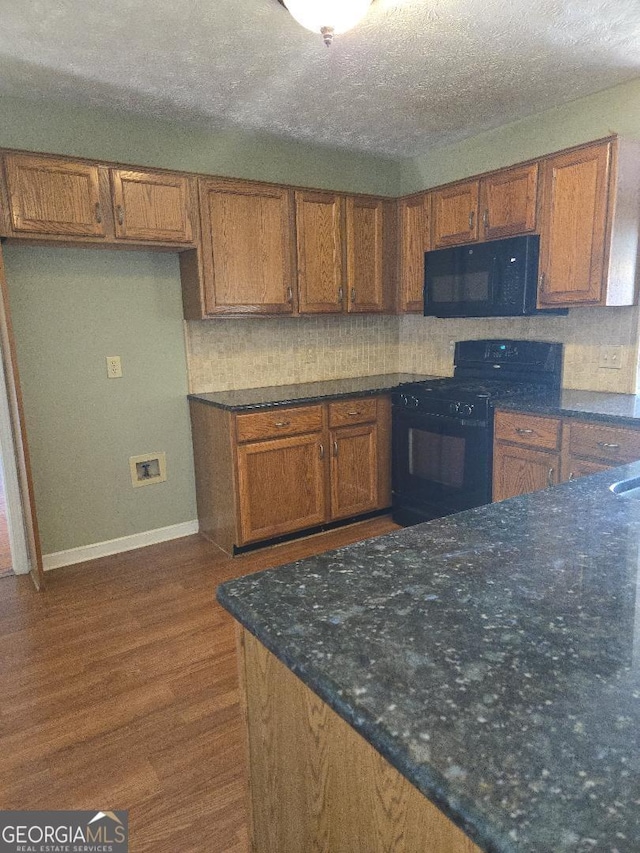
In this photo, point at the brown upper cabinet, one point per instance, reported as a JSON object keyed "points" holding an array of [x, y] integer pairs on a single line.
{"points": [[500, 204], [153, 206], [246, 247], [55, 196], [455, 214], [590, 219], [341, 253], [365, 278], [508, 202], [320, 247], [66, 199], [414, 220]]}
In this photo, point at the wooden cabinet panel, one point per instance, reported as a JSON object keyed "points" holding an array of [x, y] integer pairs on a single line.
{"points": [[608, 444], [364, 232], [319, 251], [455, 214], [281, 486], [582, 468], [354, 470], [572, 241], [530, 430], [355, 411], [154, 206], [518, 470], [508, 202], [274, 423], [247, 249], [415, 221], [57, 197]]}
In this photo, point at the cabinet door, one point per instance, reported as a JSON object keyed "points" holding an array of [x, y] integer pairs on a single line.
{"points": [[455, 214], [154, 206], [320, 247], [415, 220], [281, 486], [354, 470], [58, 197], [572, 239], [518, 470], [364, 229], [508, 202], [247, 247]]}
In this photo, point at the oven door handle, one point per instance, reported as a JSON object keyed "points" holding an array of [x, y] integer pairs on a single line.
{"points": [[426, 419]]}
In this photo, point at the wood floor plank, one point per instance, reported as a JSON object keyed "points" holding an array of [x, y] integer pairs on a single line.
{"points": [[119, 690]]}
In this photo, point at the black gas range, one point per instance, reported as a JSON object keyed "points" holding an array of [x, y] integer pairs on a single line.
{"points": [[443, 428]]}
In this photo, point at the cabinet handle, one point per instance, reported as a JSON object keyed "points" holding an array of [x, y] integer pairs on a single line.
{"points": [[353, 295], [472, 219], [282, 423], [289, 294], [353, 414], [485, 218], [522, 431], [321, 449], [340, 293], [541, 281], [98, 212], [550, 477], [335, 448], [120, 214], [607, 446], [571, 475]]}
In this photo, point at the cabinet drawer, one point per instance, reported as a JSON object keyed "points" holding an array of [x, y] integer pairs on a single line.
{"points": [[529, 430], [275, 423], [612, 444], [347, 412]]}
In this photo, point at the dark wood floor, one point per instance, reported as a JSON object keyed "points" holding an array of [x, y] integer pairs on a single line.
{"points": [[118, 690]]}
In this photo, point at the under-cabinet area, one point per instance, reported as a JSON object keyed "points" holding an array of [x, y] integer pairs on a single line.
{"points": [[532, 452], [265, 474]]}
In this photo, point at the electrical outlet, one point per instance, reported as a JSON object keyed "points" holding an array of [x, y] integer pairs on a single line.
{"points": [[114, 367], [610, 357]]}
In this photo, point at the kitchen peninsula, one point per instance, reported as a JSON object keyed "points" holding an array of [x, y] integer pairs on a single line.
{"points": [[490, 657]]}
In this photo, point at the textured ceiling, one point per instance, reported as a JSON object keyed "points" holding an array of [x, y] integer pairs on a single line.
{"points": [[414, 74]]}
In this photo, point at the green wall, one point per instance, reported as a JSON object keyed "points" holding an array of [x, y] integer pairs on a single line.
{"points": [[62, 129], [71, 308], [615, 110]]}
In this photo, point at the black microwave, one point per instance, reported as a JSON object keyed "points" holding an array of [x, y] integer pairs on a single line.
{"points": [[494, 279]]}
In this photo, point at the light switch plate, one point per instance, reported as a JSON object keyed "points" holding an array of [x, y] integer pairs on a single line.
{"points": [[610, 357]]}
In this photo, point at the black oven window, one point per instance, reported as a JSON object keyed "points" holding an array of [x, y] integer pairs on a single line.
{"points": [[437, 458]]}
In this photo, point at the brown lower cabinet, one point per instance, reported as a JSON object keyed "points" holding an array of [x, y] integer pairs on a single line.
{"points": [[531, 452], [265, 474]]}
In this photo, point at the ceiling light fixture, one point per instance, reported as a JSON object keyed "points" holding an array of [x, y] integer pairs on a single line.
{"points": [[327, 17]]}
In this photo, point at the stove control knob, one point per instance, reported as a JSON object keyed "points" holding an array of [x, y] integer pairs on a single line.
{"points": [[465, 409], [454, 408], [414, 402], [408, 400]]}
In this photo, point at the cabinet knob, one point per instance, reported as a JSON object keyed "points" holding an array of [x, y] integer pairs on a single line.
{"points": [[335, 448], [321, 450], [120, 214]]}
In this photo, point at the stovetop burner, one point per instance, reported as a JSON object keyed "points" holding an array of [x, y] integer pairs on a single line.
{"points": [[471, 389]]}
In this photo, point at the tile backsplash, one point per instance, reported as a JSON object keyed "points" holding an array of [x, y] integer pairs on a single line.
{"points": [[256, 352], [243, 353]]}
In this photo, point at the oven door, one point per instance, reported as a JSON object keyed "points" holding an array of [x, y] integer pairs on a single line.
{"points": [[441, 465]]}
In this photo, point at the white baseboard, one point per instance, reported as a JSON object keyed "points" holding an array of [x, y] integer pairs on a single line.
{"points": [[117, 546]]}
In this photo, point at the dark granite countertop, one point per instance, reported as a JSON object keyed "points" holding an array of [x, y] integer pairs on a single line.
{"points": [[492, 656], [596, 405], [246, 399]]}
